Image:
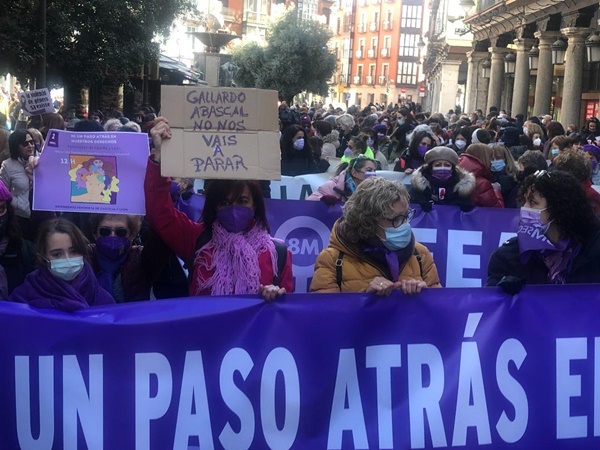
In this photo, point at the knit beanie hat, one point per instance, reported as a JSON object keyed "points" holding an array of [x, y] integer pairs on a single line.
{"points": [[441, 154], [480, 136], [5, 195], [510, 137]]}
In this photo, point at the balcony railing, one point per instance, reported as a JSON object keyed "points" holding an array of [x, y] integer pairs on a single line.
{"points": [[357, 80], [387, 25], [382, 80], [362, 27], [359, 54], [385, 52], [371, 53], [374, 26], [369, 80]]}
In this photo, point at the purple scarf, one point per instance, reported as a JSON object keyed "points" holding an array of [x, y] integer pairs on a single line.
{"points": [[43, 290], [395, 260], [560, 262], [110, 256]]}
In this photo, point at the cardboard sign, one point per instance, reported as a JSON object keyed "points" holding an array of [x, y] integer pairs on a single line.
{"points": [[220, 109], [222, 155], [36, 102], [91, 172], [221, 133]]}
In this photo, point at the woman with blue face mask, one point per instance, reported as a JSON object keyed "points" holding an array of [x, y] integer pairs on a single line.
{"points": [[504, 172], [558, 237], [372, 247], [65, 280]]}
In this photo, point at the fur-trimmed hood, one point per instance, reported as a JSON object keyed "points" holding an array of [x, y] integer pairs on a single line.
{"points": [[464, 187]]}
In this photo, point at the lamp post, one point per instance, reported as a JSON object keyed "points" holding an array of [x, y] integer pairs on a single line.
{"points": [[592, 45], [559, 49], [534, 58], [486, 65], [510, 62], [466, 5]]}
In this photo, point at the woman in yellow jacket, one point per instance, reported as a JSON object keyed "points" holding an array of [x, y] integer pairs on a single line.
{"points": [[372, 248]]}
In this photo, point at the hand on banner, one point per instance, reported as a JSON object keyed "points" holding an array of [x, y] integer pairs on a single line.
{"points": [[410, 287], [330, 200], [511, 285], [270, 292], [159, 131], [381, 286]]}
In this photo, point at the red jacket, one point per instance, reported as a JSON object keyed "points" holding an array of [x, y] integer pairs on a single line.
{"points": [[484, 193], [593, 195], [180, 233]]}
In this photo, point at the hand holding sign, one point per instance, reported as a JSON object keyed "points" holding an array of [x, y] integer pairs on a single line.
{"points": [[159, 131]]}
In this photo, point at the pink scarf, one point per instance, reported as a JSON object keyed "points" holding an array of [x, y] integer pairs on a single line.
{"points": [[234, 261]]}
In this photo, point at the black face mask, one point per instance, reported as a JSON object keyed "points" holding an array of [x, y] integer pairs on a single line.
{"points": [[521, 175]]}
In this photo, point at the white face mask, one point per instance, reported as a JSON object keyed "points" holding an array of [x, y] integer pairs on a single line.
{"points": [[66, 269], [460, 144], [537, 142]]}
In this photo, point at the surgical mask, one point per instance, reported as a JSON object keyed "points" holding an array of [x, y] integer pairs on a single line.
{"points": [[299, 144], [422, 149], [400, 121], [441, 173], [112, 247], [397, 238], [537, 142], [348, 152], [525, 131], [370, 142], [460, 144], [66, 269], [235, 219], [554, 152], [498, 165], [380, 136]]}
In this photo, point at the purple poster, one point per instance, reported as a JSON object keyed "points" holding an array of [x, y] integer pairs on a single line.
{"points": [[91, 172]]}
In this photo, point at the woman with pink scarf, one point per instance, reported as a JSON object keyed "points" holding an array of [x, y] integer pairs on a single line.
{"points": [[230, 250]]}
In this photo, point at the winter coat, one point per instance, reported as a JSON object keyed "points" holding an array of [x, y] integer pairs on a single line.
{"points": [[18, 260], [426, 192], [508, 188], [484, 194], [330, 144], [12, 174], [359, 269], [180, 234], [335, 187], [505, 261]]}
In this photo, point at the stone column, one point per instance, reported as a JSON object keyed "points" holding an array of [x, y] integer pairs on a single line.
{"points": [[496, 78], [476, 84], [520, 94], [448, 86], [573, 82], [545, 73]]}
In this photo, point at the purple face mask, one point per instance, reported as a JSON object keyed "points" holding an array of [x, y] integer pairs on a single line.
{"points": [[532, 232], [112, 247], [235, 219], [441, 173], [422, 149]]}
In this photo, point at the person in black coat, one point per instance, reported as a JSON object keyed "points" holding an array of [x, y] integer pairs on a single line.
{"points": [[504, 172], [439, 181], [558, 239]]}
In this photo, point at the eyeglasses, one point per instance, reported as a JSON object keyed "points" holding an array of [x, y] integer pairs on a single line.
{"points": [[402, 218], [119, 232], [28, 143], [541, 173]]}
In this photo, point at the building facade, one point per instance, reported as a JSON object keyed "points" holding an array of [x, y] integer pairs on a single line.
{"points": [[375, 42], [529, 57]]}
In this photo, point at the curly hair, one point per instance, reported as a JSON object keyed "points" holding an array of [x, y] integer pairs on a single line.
{"points": [[574, 163], [567, 203], [372, 200]]}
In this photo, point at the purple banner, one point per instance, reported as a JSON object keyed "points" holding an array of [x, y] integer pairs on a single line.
{"points": [[91, 172], [461, 243], [447, 368]]}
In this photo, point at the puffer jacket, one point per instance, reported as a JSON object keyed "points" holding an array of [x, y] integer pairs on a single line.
{"points": [[331, 143], [424, 192], [359, 269], [336, 187], [484, 194]]}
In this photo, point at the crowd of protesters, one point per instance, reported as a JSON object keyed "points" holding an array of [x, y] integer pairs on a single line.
{"points": [[538, 165]]}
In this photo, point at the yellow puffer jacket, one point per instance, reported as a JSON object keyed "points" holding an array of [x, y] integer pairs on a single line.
{"points": [[358, 270]]}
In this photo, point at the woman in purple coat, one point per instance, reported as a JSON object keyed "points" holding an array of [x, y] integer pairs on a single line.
{"points": [[65, 280]]}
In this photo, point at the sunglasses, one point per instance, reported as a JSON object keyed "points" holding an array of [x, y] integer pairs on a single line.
{"points": [[119, 232], [28, 143]]}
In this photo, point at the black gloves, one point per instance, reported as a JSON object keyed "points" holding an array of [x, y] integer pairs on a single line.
{"points": [[330, 200], [511, 285], [426, 206]]}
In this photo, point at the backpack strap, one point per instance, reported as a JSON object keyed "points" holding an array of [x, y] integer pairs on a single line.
{"points": [[281, 250], [419, 260], [338, 269]]}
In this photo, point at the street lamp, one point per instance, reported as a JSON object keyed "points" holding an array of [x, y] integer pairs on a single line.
{"points": [[466, 5], [593, 48], [421, 44], [510, 62], [559, 48], [534, 58], [486, 65]]}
